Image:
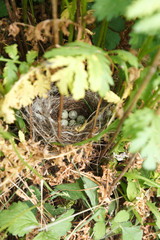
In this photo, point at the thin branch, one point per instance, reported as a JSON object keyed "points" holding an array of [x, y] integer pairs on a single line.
{"points": [[55, 26], [151, 72], [9, 10]]}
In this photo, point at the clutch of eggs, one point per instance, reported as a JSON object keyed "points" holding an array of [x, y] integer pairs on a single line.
{"points": [[71, 118]]}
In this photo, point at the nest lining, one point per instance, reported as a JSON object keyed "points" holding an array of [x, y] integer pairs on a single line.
{"points": [[44, 116]]}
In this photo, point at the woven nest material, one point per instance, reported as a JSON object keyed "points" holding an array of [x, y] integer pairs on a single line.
{"points": [[45, 112]]}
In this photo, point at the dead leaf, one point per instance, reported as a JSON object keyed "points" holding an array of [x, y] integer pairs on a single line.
{"points": [[14, 30]]}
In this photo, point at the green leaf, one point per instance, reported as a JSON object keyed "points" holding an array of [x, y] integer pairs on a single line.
{"points": [[54, 211], [23, 67], [158, 192], [149, 25], [111, 207], [143, 127], [80, 83], [75, 49], [18, 219], [92, 193], [80, 66], [122, 216], [141, 8], [118, 60], [99, 227], [5, 134], [12, 51], [46, 236], [3, 9], [136, 40], [20, 122], [109, 9], [112, 39], [152, 85], [30, 56], [117, 24], [116, 227], [132, 190], [136, 175], [99, 230], [100, 215], [132, 233], [69, 189], [126, 57], [72, 76], [98, 84], [34, 191], [155, 211], [138, 217], [50, 209], [56, 230], [10, 75]]}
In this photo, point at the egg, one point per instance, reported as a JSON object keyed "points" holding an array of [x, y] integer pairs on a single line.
{"points": [[72, 123], [80, 119], [64, 122], [73, 114], [64, 114]]}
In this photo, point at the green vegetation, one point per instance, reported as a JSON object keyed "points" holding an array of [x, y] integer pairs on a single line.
{"points": [[105, 186]]}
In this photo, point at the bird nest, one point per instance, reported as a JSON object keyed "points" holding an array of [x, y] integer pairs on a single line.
{"points": [[43, 117]]}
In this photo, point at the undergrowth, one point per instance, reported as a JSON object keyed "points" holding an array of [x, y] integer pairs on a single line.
{"points": [[106, 186]]}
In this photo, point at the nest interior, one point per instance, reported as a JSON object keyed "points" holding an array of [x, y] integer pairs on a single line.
{"points": [[44, 116]]}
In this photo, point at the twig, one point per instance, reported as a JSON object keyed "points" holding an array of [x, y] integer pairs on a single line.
{"points": [[9, 10], [130, 163], [95, 119], [55, 26], [151, 72]]}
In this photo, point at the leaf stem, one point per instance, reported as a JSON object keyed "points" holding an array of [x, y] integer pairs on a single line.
{"points": [[72, 11], [103, 30], [2, 59]]}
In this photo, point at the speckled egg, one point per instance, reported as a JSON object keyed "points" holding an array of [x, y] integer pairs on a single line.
{"points": [[73, 114], [64, 114], [80, 119], [64, 122], [72, 123]]}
